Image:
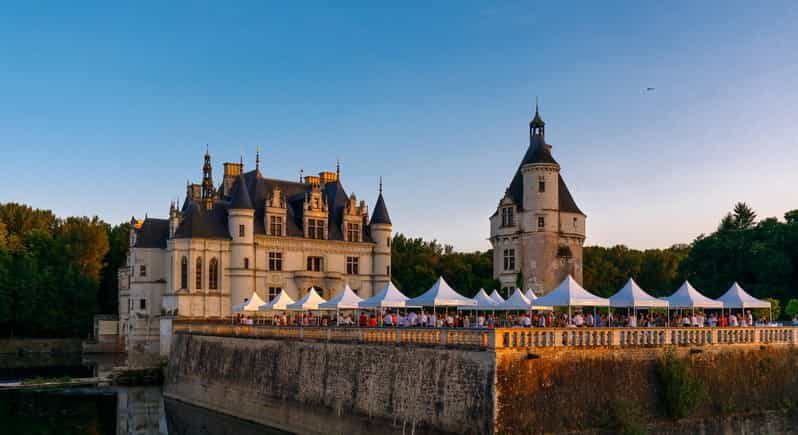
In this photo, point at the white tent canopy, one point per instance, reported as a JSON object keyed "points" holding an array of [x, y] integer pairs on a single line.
{"points": [[496, 296], [530, 294], [689, 297], [310, 301], [736, 297], [278, 303], [388, 297], [250, 304], [632, 296], [345, 299], [483, 302], [516, 302], [441, 295], [570, 294]]}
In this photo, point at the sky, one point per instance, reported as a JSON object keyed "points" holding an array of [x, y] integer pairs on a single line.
{"points": [[106, 108]]}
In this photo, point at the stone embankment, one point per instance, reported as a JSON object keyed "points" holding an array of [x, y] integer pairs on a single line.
{"points": [[331, 380]]}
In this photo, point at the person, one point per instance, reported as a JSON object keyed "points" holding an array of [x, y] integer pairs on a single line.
{"points": [[795, 320], [411, 318], [733, 320], [542, 321], [373, 321], [387, 320], [749, 318], [632, 322], [590, 321], [579, 320], [481, 321], [526, 322], [466, 322]]}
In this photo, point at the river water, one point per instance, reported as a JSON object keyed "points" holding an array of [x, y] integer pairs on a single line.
{"points": [[102, 410]]}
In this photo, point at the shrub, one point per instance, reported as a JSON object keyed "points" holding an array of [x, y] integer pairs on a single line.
{"points": [[682, 392]]}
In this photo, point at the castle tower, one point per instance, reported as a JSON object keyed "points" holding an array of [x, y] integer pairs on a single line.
{"points": [[537, 231], [240, 221], [380, 228], [207, 182]]}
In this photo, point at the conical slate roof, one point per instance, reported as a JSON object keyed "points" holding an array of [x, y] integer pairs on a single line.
{"points": [[631, 295], [380, 215], [241, 199]]}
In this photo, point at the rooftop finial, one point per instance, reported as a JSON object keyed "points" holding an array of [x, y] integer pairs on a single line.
{"points": [[536, 104], [257, 158], [206, 150], [380, 184], [301, 174], [337, 167]]}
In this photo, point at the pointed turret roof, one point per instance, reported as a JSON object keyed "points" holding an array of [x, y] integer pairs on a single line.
{"points": [[380, 215], [241, 199]]}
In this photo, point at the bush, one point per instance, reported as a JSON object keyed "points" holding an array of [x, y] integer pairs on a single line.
{"points": [[622, 417], [682, 392]]}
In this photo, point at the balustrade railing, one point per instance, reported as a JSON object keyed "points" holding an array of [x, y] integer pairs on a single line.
{"points": [[505, 338]]}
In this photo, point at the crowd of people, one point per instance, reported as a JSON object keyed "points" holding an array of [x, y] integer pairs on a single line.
{"points": [[472, 319]]}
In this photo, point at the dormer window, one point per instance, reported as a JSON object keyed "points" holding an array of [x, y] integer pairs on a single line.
{"points": [[352, 232], [508, 218], [276, 225], [316, 229]]}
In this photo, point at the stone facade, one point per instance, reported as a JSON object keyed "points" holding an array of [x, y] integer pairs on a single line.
{"points": [[537, 230], [251, 234]]}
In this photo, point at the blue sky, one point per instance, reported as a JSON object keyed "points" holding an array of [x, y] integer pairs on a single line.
{"points": [[106, 110]]}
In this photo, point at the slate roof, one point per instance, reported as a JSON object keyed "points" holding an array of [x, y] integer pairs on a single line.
{"points": [[204, 224], [240, 195], [538, 152], [152, 234], [380, 215]]}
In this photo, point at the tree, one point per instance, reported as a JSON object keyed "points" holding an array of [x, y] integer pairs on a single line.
{"points": [[792, 308], [744, 216]]}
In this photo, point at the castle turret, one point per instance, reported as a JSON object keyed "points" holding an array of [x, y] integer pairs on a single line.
{"points": [[380, 229], [241, 221], [208, 192], [540, 178], [174, 220]]}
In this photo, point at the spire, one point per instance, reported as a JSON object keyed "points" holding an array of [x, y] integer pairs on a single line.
{"points": [[207, 177], [257, 159], [337, 168], [301, 174], [380, 215], [537, 126], [241, 199]]}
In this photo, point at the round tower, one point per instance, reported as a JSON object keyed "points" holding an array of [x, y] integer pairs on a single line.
{"points": [[380, 229], [240, 221]]}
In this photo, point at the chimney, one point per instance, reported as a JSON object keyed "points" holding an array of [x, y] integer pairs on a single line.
{"points": [[231, 171]]}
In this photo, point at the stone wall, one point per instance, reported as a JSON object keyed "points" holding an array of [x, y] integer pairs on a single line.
{"points": [[560, 390], [298, 385]]}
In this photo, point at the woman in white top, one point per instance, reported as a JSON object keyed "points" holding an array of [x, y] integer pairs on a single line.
{"points": [[732, 320]]}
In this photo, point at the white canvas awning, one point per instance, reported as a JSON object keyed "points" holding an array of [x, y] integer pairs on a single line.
{"points": [[440, 295], [736, 297], [279, 303], [250, 304], [518, 302], [483, 302], [345, 299], [570, 294], [310, 301], [632, 296], [530, 294], [688, 297], [388, 297], [496, 296]]}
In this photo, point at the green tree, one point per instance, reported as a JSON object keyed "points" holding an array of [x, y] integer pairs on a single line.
{"points": [[744, 216], [792, 308]]}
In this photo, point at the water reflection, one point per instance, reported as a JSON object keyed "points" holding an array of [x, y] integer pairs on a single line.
{"points": [[113, 410]]}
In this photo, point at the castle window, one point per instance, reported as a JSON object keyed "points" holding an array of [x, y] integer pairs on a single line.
{"points": [[246, 263], [142, 304], [273, 292], [388, 241], [388, 270], [276, 225], [576, 221], [315, 264], [275, 261], [541, 223], [541, 184], [242, 230], [213, 274], [184, 272], [352, 232], [316, 229], [352, 265], [198, 273], [509, 259], [143, 270], [508, 218]]}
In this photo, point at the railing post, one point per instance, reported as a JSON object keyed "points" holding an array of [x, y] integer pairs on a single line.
{"points": [[492, 339], [443, 337]]}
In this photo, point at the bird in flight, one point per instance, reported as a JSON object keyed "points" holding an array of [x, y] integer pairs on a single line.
{"points": [[649, 89]]}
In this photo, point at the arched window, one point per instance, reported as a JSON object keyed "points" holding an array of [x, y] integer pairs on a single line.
{"points": [[184, 272], [198, 273], [213, 274]]}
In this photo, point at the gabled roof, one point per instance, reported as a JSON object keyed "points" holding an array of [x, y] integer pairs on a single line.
{"points": [[380, 215], [152, 234]]}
